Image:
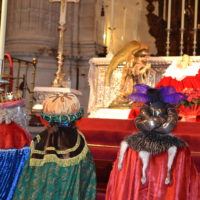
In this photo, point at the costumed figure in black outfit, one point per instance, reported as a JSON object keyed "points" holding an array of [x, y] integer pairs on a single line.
{"points": [[156, 121]]}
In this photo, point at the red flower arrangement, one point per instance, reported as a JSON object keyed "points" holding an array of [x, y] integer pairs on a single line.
{"points": [[191, 106]]}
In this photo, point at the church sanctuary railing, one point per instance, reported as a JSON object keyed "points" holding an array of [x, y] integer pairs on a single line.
{"points": [[21, 75], [175, 26], [101, 96]]}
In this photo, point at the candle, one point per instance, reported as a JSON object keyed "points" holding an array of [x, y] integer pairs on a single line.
{"points": [[63, 9], [3, 28], [169, 15], [164, 9], [103, 29], [195, 14], [124, 23], [105, 26], [182, 15], [112, 13]]}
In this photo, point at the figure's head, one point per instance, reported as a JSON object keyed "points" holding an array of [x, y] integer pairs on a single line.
{"points": [[154, 95], [142, 55], [186, 60]]}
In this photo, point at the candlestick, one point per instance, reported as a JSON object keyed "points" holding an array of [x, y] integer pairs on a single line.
{"points": [[3, 31]]}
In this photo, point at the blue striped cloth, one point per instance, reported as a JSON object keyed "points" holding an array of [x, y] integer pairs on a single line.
{"points": [[12, 162]]}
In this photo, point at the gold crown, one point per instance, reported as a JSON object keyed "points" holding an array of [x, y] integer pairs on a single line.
{"points": [[10, 96]]}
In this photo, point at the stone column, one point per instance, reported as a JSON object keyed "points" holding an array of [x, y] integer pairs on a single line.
{"points": [[32, 32], [31, 27]]}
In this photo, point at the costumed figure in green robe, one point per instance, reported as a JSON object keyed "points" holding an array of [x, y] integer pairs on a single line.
{"points": [[60, 165]]}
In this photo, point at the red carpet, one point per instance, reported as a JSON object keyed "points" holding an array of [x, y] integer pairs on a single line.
{"points": [[104, 137]]}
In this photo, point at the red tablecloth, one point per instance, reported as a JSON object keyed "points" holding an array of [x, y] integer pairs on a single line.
{"points": [[112, 131]]}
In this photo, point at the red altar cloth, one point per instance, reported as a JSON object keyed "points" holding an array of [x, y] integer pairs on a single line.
{"points": [[112, 131], [126, 184]]}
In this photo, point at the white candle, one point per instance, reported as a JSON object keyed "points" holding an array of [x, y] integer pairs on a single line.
{"points": [[3, 28], [195, 14], [164, 9], [183, 14], [63, 10], [105, 26], [124, 23], [169, 15], [112, 13]]}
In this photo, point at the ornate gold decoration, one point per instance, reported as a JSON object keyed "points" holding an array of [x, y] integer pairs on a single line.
{"points": [[134, 58], [123, 55], [61, 162], [75, 147]]}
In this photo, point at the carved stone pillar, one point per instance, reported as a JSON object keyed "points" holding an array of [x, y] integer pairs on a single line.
{"points": [[32, 27]]}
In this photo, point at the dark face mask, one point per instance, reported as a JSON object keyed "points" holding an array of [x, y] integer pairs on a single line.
{"points": [[154, 96]]}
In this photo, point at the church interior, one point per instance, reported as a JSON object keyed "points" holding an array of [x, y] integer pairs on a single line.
{"points": [[100, 99]]}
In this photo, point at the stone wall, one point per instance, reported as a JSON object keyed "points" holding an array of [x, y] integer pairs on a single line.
{"points": [[32, 32]]}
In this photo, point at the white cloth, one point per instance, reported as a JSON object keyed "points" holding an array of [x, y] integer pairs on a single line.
{"points": [[179, 74]]}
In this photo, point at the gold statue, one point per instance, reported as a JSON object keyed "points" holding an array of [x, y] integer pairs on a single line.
{"points": [[185, 62], [135, 71]]}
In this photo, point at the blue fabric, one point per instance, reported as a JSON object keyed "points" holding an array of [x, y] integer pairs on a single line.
{"points": [[12, 162]]}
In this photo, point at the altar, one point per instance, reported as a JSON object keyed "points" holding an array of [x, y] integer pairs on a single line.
{"points": [[106, 127], [101, 96]]}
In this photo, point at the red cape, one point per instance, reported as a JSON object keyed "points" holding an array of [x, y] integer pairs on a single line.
{"points": [[126, 184], [13, 136]]}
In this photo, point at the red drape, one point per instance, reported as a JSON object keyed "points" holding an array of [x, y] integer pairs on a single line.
{"points": [[13, 136], [125, 184], [188, 82]]}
